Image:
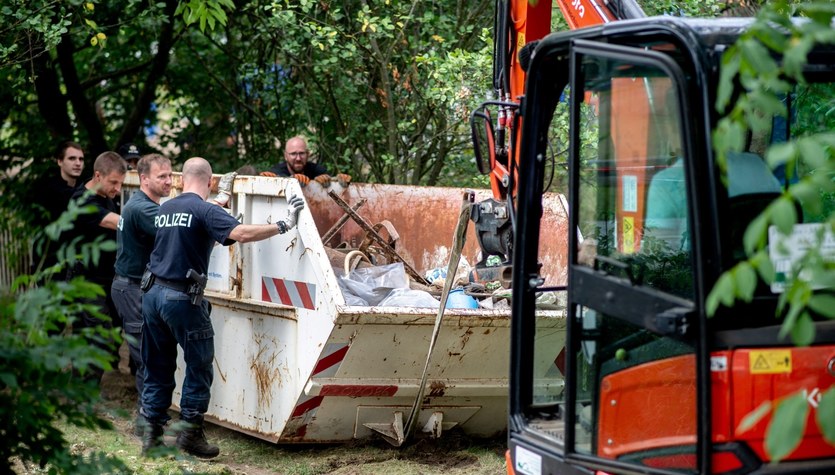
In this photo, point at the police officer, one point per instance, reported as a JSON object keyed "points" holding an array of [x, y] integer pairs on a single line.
{"points": [[173, 310], [134, 243]]}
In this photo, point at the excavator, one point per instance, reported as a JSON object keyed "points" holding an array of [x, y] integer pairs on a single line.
{"points": [[518, 26], [647, 382]]}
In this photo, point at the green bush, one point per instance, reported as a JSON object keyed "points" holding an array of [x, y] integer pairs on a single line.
{"points": [[45, 366]]}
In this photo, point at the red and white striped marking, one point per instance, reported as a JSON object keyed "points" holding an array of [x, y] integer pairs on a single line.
{"points": [[288, 292], [326, 367]]}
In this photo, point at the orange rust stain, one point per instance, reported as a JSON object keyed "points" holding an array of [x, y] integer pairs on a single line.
{"points": [[437, 388]]}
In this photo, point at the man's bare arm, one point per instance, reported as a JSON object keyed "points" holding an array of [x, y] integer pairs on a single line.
{"points": [[110, 221], [253, 232]]}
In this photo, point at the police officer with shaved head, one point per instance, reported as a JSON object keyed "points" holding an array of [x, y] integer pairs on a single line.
{"points": [[174, 311]]}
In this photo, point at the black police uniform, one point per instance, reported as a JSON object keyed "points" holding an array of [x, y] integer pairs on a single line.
{"points": [[187, 229], [87, 226], [134, 243]]}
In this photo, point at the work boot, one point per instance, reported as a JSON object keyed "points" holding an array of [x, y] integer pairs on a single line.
{"points": [[151, 436], [192, 440], [139, 426]]}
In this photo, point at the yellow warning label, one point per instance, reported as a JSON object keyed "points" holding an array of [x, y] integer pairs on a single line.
{"points": [[770, 361], [628, 235]]}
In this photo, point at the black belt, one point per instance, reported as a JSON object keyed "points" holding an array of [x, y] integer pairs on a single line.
{"points": [[178, 285], [129, 280]]}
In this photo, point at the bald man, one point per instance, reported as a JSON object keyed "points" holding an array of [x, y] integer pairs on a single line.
{"points": [[173, 311]]}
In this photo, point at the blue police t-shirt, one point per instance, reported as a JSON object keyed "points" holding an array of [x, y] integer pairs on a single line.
{"points": [[135, 235], [187, 230]]}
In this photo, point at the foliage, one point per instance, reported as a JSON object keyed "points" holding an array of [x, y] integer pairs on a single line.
{"points": [[43, 363], [810, 158], [382, 88]]}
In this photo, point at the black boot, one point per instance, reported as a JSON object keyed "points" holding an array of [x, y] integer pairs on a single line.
{"points": [[151, 435], [192, 440]]}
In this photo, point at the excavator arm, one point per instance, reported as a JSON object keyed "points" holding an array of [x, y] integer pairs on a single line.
{"points": [[518, 25]]}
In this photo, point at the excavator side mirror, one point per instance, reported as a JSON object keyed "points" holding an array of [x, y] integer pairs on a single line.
{"points": [[484, 141]]}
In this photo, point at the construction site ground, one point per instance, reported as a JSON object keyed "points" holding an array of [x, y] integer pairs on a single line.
{"points": [[453, 454]]}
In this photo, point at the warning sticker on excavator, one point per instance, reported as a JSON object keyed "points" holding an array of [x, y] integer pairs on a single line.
{"points": [[770, 361], [628, 235]]}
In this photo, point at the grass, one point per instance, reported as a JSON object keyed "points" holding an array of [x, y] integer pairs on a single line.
{"points": [[453, 454]]}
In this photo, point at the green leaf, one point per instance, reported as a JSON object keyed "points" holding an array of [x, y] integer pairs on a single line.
{"points": [[746, 281], [798, 295], [764, 266], [752, 418], [826, 415], [9, 380], [757, 56], [730, 68], [780, 154], [783, 214], [722, 292], [785, 430], [812, 152], [755, 234], [823, 304], [803, 332]]}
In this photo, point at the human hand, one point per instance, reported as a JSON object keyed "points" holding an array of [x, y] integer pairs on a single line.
{"points": [[269, 174], [224, 188], [344, 179], [303, 179], [324, 180], [295, 204]]}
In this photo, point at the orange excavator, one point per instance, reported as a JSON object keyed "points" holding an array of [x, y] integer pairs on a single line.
{"points": [[646, 383], [518, 26]]}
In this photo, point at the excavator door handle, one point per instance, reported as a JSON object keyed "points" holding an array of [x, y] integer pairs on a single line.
{"points": [[674, 321]]}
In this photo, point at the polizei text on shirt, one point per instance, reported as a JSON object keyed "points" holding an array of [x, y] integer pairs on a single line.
{"points": [[173, 220]]}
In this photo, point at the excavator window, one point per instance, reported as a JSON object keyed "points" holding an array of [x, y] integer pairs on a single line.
{"points": [[634, 209]]}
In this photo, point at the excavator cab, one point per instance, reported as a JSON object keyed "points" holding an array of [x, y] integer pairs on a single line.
{"points": [[646, 383]]}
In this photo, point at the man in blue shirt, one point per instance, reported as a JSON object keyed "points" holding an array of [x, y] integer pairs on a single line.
{"points": [[135, 241], [173, 309]]}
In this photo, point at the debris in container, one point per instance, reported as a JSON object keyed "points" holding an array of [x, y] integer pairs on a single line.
{"points": [[437, 276], [459, 299], [386, 285], [409, 298]]}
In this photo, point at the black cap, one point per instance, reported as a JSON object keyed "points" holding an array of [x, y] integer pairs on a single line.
{"points": [[129, 152]]}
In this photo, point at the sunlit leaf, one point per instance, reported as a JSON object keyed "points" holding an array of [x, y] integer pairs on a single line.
{"points": [[783, 214], [758, 56], [785, 430], [752, 418], [746, 281], [803, 332], [812, 152], [780, 154], [722, 292], [823, 304], [755, 234], [826, 415]]}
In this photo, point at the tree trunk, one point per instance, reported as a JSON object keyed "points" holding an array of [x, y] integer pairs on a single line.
{"points": [[51, 103], [85, 111], [158, 67]]}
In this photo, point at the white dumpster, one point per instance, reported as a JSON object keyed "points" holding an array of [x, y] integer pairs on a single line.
{"points": [[295, 364]]}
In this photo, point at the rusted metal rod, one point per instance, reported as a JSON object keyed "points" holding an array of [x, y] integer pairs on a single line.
{"points": [[341, 222], [384, 246]]}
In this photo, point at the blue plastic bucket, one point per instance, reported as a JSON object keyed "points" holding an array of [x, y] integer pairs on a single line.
{"points": [[458, 299]]}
